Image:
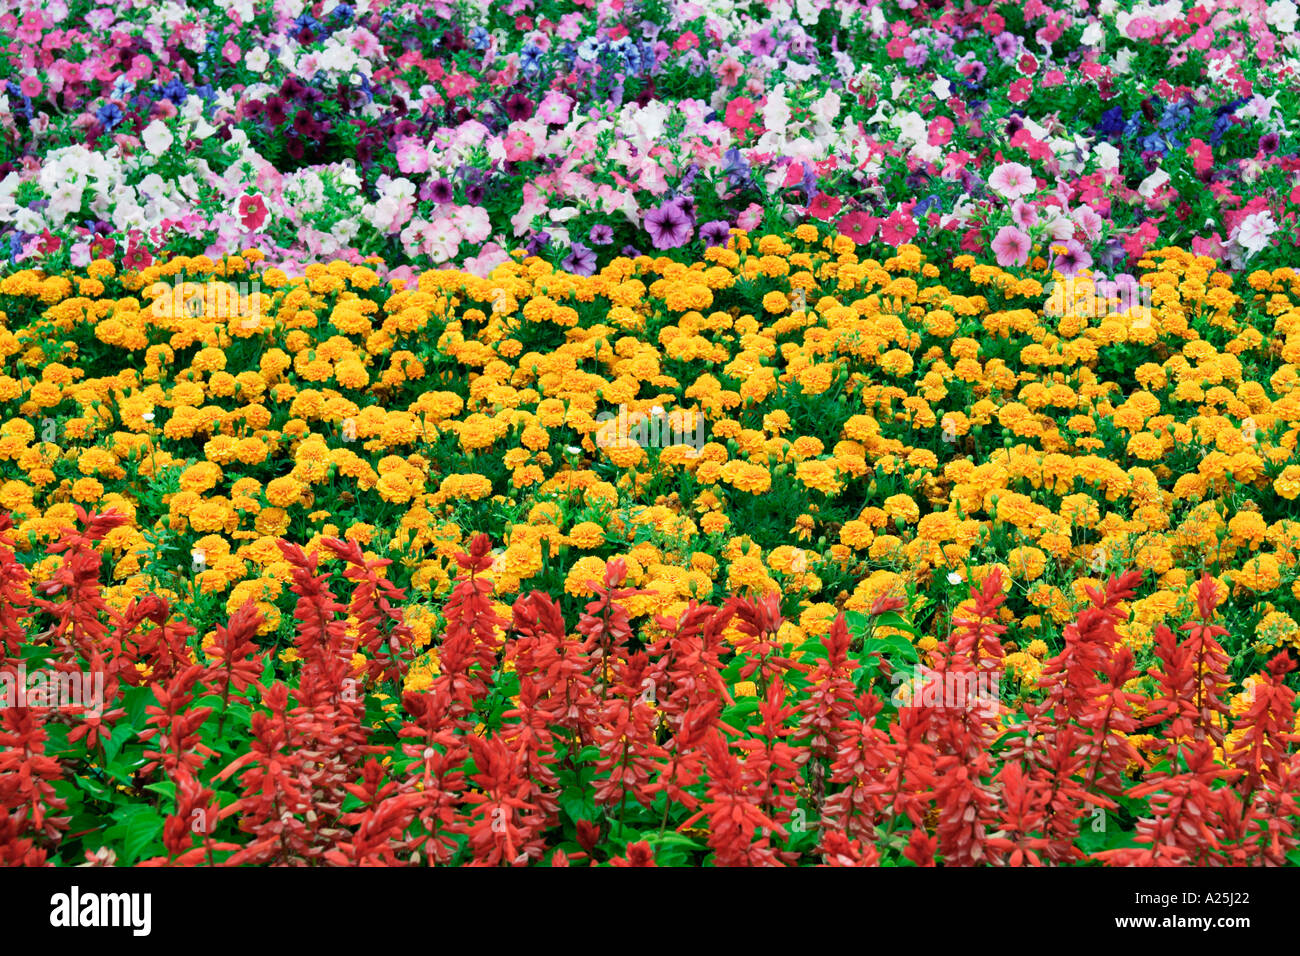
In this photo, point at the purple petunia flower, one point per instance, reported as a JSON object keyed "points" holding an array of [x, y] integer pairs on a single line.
{"points": [[1112, 254], [1005, 44], [1073, 260], [580, 260], [762, 43], [631, 252], [440, 191], [715, 233], [600, 235], [274, 111], [536, 243], [1268, 143], [519, 107], [668, 226], [474, 194]]}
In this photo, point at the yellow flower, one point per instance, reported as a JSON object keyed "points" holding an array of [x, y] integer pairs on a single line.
{"points": [[1287, 484], [902, 506], [587, 535], [1260, 574]]}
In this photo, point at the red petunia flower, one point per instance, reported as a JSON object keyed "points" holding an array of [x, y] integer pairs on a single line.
{"points": [[823, 206], [859, 226], [740, 114], [252, 212], [137, 257]]}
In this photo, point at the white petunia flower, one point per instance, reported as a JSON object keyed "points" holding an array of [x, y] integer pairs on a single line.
{"points": [[157, 138], [1254, 231], [1281, 16]]}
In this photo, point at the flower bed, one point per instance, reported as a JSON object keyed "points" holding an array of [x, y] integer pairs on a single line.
{"points": [[588, 131], [786, 555]]}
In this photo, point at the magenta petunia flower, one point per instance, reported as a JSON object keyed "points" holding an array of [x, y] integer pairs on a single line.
{"points": [[859, 226], [824, 206], [898, 228]]}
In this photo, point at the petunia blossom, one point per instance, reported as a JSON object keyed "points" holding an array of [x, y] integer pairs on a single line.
{"points": [[1011, 246], [1012, 181]]}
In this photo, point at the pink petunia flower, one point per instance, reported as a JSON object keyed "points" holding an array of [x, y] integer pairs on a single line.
{"points": [[252, 212], [519, 146], [1089, 221], [1025, 215], [898, 228], [751, 217], [824, 206], [555, 108], [859, 226], [1012, 181], [1011, 245], [940, 131], [412, 156]]}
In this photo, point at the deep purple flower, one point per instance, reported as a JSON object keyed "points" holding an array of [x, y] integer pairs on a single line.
{"points": [[519, 106], [536, 243], [580, 260], [687, 206], [440, 191], [631, 252], [1268, 143], [1112, 254], [275, 114], [600, 235], [715, 233], [474, 194], [668, 226]]}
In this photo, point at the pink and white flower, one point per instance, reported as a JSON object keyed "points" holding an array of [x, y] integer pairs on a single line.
{"points": [[1012, 181]]}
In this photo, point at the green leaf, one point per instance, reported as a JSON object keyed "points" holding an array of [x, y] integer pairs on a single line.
{"points": [[578, 804], [742, 709], [894, 647], [138, 830], [164, 787], [122, 732], [674, 839]]}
